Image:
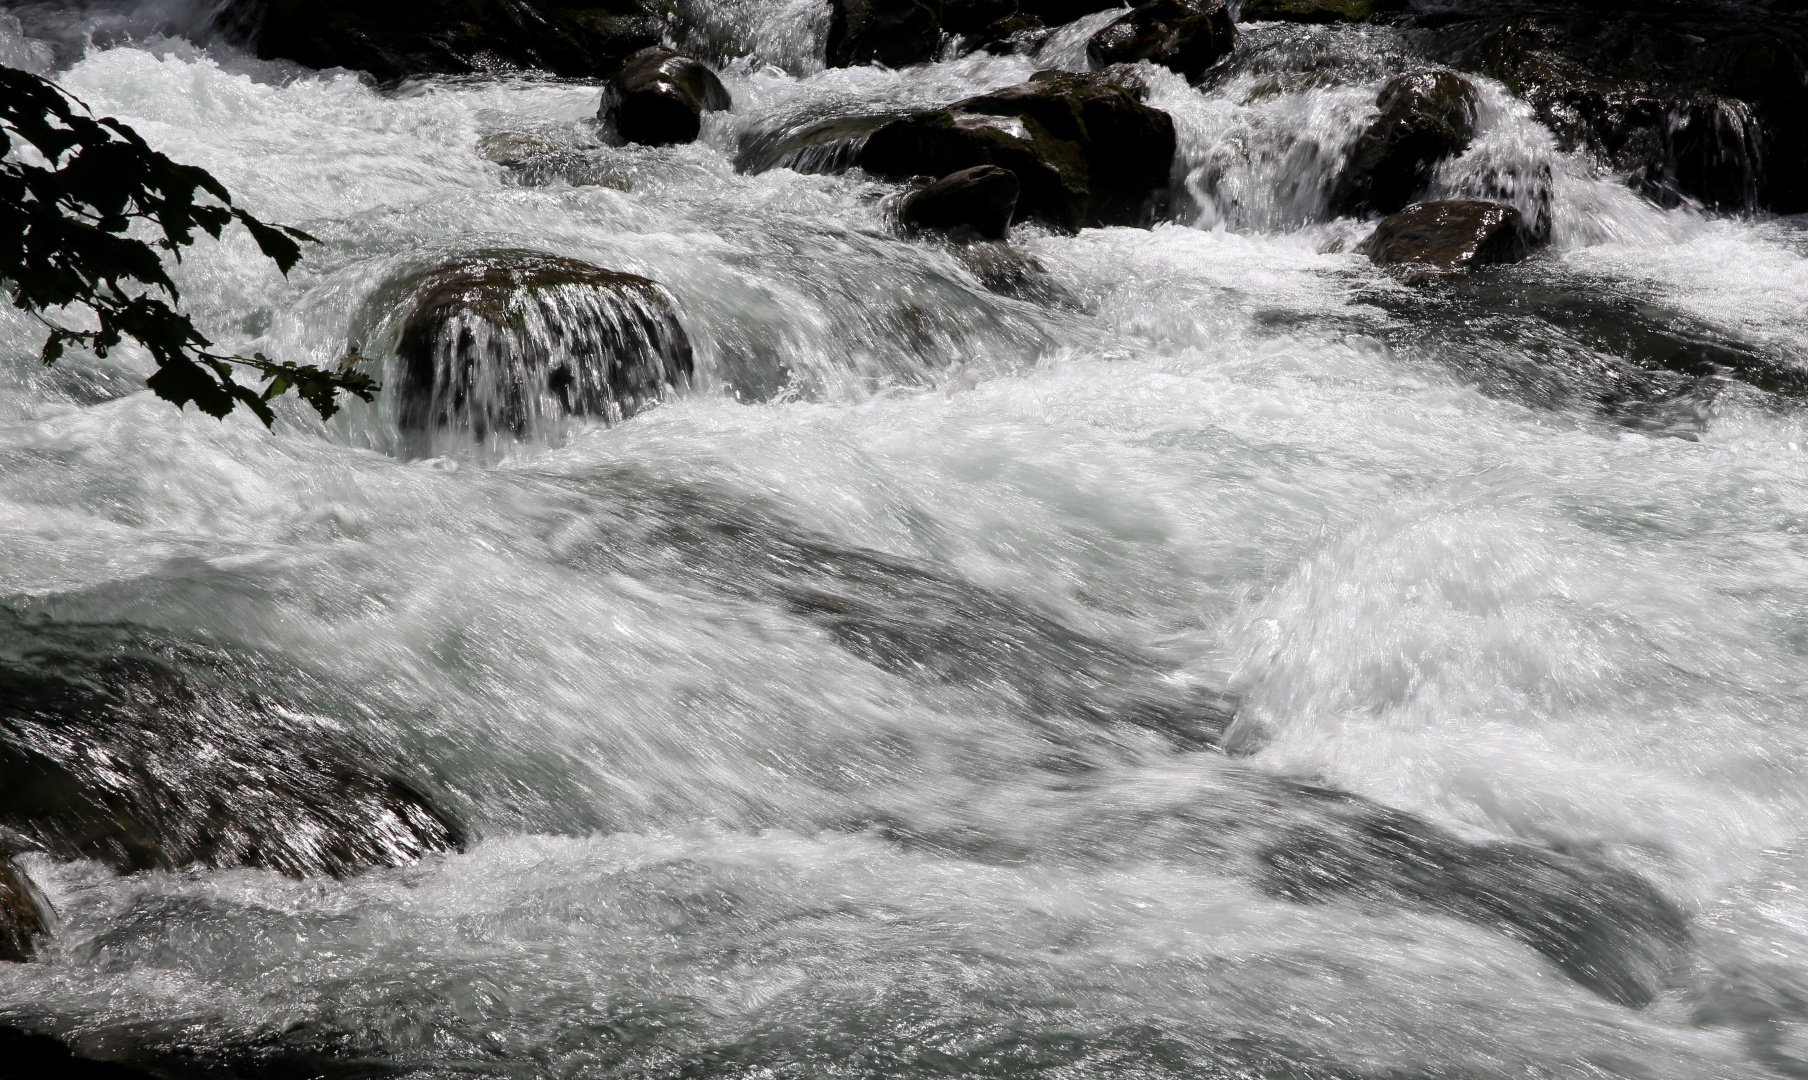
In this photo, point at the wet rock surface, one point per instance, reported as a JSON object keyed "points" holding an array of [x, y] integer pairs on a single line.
{"points": [[822, 146], [1426, 116], [659, 96], [134, 752], [1085, 149], [1708, 104], [1187, 36], [896, 33], [979, 201], [507, 345], [24, 914], [1449, 236], [399, 38]]}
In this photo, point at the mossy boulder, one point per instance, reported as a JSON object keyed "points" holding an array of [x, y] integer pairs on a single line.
{"points": [[398, 38], [1085, 149], [1187, 36], [505, 346], [659, 96], [1426, 116]]}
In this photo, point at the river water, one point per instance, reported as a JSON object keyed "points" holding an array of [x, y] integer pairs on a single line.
{"points": [[1452, 548]]}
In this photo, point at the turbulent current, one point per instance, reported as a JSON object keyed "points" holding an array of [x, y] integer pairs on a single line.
{"points": [[1223, 659]]}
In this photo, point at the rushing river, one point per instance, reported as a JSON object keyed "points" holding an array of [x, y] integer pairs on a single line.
{"points": [[1450, 548]]}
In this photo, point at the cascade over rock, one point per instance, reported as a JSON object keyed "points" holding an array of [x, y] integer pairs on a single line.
{"points": [[659, 97], [1426, 116], [1449, 236], [1187, 36], [981, 199], [824, 146], [1086, 151], [136, 758], [23, 917], [1711, 106], [397, 38], [508, 345]]}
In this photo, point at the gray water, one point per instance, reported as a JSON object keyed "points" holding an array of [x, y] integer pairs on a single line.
{"points": [[1453, 549]]}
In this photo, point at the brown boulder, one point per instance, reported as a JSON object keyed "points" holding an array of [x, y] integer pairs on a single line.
{"points": [[1449, 236]]}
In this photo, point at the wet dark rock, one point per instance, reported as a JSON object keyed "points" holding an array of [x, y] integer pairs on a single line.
{"points": [[896, 33], [1710, 105], [1086, 150], [24, 913], [508, 345], [143, 755], [979, 200], [26, 1055], [1606, 928], [1449, 236], [973, 17], [399, 38], [1426, 116], [1187, 36], [659, 96], [1062, 12], [1321, 11], [827, 146]]}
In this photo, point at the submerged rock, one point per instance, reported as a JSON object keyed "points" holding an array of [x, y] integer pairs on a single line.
{"points": [[147, 756], [1187, 36], [1709, 105], [981, 200], [399, 38], [827, 146], [507, 346], [24, 914], [1006, 271], [1426, 116], [1449, 236], [896, 33], [1085, 149], [659, 97]]}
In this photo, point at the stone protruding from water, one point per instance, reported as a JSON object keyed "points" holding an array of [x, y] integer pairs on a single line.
{"points": [[1449, 236], [509, 346], [147, 754], [1187, 36], [659, 96], [24, 914], [827, 146], [1085, 149], [1426, 116], [394, 39], [979, 200]]}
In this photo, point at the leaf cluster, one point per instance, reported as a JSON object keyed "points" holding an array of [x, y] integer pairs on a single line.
{"points": [[65, 223]]}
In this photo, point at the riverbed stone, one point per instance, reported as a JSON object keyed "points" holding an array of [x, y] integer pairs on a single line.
{"points": [[399, 38], [24, 917], [504, 345], [1449, 236], [1085, 149], [1187, 36], [659, 96], [1426, 116], [979, 200]]}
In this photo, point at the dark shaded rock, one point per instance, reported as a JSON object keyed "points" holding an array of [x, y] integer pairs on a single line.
{"points": [[1085, 149], [1321, 11], [1062, 12], [981, 199], [24, 914], [896, 33], [26, 1055], [1426, 116], [1604, 927], [398, 38], [971, 17], [1449, 236], [828, 146], [1187, 36], [143, 754], [1710, 105], [659, 97], [507, 345]]}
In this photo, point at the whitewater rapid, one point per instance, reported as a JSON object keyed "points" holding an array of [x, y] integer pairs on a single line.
{"points": [[1434, 559]]}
